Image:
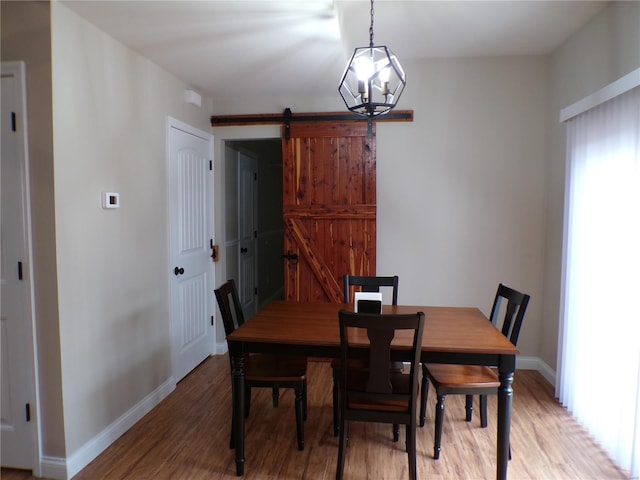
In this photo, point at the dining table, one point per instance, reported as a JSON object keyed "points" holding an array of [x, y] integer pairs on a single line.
{"points": [[453, 335]]}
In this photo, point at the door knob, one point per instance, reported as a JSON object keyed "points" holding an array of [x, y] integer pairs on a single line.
{"points": [[178, 271], [244, 250]]}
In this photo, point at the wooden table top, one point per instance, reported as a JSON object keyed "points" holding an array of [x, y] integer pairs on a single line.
{"points": [[447, 329]]}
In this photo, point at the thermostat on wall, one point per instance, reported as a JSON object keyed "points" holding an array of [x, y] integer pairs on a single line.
{"points": [[110, 200]]}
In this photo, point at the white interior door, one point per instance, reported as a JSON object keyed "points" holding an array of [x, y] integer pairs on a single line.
{"points": [[191, 239], [18, 402], [247, 225]]}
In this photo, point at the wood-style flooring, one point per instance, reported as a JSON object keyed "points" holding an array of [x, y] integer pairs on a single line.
{"points": [[187, 437]]}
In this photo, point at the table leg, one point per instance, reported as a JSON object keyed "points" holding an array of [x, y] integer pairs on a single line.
{"points": [[505, 400], [238, 411]]}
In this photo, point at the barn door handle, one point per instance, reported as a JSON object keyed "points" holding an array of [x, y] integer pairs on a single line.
{"points": [[291, 256], [178, 271]]}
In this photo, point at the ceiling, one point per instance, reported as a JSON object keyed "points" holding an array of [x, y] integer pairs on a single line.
{"points": [[292, 47]]}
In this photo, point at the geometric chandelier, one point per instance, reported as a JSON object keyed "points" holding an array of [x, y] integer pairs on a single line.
{"points": [[373, 80]]}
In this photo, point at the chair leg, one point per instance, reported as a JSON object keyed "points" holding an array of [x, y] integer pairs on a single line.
{"points": [[232, 436], [275, 394], [424, 393], [247, 401], [300, 417], [468, 406], [407, 440], [396, 432], [439, 424], [342, 445], [411, 450], [336, 406], [483, 411], [304, 404]]}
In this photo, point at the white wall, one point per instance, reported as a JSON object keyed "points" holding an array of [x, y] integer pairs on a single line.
{"points": [[461, 188], [110, 109]]}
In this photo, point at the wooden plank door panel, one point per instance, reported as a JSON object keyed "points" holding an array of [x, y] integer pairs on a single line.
{"points": [[329, 208]]}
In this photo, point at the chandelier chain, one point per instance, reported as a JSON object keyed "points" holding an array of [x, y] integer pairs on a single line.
{"points": [[371, 27]]}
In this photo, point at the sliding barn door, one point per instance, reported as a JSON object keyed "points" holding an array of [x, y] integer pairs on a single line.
{"points": [[329, 208]]}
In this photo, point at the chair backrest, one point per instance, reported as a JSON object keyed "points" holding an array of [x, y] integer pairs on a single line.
{"points": [[513, 312], [229, 304], [356, 328], [370, 284]]}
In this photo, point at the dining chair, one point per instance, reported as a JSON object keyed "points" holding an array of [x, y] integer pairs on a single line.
{"points": [[263, 370], [370, 284], [352, 284], [472, 380], [377, 394]]}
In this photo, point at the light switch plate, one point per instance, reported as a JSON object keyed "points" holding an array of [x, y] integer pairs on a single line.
{"points": [[110, 200]]}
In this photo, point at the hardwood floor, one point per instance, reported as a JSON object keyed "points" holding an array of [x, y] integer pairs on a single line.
{"points": [[187, 437]]}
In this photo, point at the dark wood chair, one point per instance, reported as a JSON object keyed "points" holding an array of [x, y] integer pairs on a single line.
{"points": [[262, 370], [472, 380], [377, 394], [353, 283], [370, 284]]}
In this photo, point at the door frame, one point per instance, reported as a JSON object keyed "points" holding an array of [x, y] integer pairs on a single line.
{"points": [[30, 369], [179, 125]]}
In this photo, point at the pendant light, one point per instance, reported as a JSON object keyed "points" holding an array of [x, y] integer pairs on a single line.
{"points": [[373, 80]]}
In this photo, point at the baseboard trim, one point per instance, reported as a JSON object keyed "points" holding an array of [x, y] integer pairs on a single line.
{"points": [[94, 447], [547, 372], [53, 467], [527, 363], [221, 348], [534, 363]]}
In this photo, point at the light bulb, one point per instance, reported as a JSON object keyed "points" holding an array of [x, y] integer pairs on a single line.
{"points": [[383, 75], [364, 69]]}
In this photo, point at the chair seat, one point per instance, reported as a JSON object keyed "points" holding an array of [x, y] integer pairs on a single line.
{"points": [[379, 406], [400, 384], [275, 368], [463, 376], [363, 366]]}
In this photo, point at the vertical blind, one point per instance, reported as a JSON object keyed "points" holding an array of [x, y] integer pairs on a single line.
{"points": [[599, 355]]}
